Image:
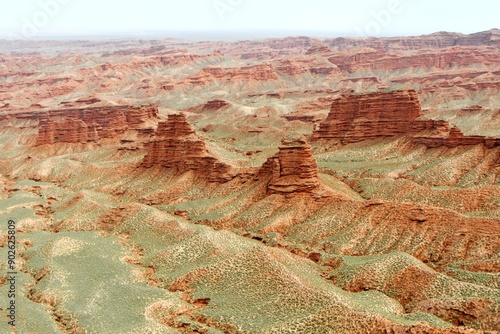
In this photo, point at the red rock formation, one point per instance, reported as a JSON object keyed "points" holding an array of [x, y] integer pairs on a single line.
{"points": [[311, 111], [324, 70], [301, 117], [293, 169], [177, 146], [263, 72], [211, 105], [371, 116], [71, 130], [473, 108], [439, 133], [91, 124], [179, 59], [216, 105], [363, 117], [81, 102], [318, 49], [489, 37], [290, 68], [305, 65], [372, 60], [437, 40]]}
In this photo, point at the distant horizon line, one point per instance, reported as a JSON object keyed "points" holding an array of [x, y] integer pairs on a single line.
{"points": [[215, 35]]}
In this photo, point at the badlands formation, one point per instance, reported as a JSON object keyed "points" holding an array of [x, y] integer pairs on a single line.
{"points": [[293, 185]]}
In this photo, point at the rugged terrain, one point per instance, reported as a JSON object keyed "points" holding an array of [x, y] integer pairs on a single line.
{"points": [[295, 185]]}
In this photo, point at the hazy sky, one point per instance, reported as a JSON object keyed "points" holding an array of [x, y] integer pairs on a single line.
{"points": [[38, 18]]}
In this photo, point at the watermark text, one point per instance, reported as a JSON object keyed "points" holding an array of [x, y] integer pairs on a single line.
{"points": [[11, 274], [222, 7]]}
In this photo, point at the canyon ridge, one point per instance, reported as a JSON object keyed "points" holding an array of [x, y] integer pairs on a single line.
{"points": [[287, 185]]}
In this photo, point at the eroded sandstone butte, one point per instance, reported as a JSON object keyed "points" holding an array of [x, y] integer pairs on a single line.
{"points": [[292, 170], [91, 124], [176, 146], [357, 118], [216, 105]]}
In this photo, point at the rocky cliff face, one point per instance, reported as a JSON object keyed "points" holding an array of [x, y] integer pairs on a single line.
{"points": [[439, 133], [292, 170], [371, 59], [371, 116], [263, 72], [91, 124], [436, 41], [363, 117], [177, 146], [290, 68], [71, 130], [216, 105]]}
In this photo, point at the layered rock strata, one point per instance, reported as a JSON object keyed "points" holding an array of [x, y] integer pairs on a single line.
{"points": [[357, 118], [437, 40], [377, 59], [176, 146], [216, 105], [437, 133], [261, 72], [91, 124], [292, 170]]}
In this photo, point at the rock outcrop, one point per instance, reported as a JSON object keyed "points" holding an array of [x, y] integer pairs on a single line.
{"points": [[176, 146], [357, 118], [437, 40], [374, 59], [292, 170], [71, 130], [306, 65], [91, 124], [290, 68], [216, 105], [437, 133], [318, 49], [262, 72]]}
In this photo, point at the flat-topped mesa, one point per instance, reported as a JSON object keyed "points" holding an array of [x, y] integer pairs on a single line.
{"points": [[92, 124], [176, 146], [357, 118], [292, 170], [216, 105]]}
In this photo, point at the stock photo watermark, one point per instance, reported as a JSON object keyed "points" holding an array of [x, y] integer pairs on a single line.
{"points": [[222, 7], [32, 25], [11, 273], [381, 19]]}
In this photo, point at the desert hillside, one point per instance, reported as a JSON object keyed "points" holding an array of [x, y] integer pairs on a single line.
{"points": [[295, 185]]}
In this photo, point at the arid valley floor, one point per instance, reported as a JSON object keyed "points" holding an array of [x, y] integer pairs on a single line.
{"points": [[293, 185]]}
